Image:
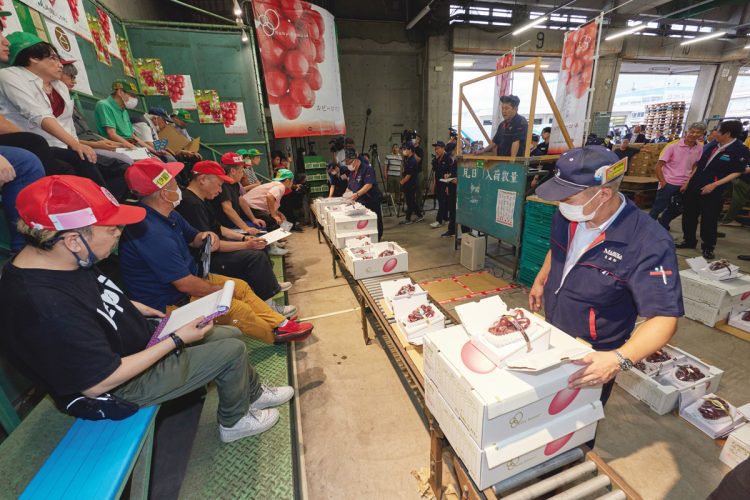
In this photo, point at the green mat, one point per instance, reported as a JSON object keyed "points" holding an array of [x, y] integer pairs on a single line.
{"points": [[256, 467]]}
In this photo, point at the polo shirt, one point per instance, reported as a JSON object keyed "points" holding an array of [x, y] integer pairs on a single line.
{"points": [[629, 270], [109, 114], [230, 193], [256, 197], [153, 254], [365, 174], [679, 159], [510, 131], [717, 162], [410, 168]]}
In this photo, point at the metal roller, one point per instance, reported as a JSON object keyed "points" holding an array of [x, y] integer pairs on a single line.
{"points": [[570, 456], [614, 495], [584, 489], [567, 476]]}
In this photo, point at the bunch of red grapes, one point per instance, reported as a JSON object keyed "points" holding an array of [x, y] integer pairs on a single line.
{"points": [[292, 45], [104, 21], [176, 86], [100, 47], [205, 107], [229, 112], [126, 59], [148, 77], [578, 59], [74, 10]]}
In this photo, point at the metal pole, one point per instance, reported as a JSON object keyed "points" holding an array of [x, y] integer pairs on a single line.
{"points": [[589, 105], [202, 11], [176, 25]]}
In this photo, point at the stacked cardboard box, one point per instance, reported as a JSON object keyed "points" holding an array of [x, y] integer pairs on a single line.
{"points": [[502, 421], [378, 259], [710, 301], [643, 164]]}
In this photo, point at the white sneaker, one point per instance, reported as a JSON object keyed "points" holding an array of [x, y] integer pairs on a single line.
{"points": [[254, 422], [420, 218], [285, 286], [436, 225], [272, 396], [274, 250], [280, 244], [286, 311]]}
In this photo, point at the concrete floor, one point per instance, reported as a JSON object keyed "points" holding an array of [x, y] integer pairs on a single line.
{"points": [[363, 436]]}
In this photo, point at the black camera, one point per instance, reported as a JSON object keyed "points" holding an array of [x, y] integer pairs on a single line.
{"points": [[453, 132], [408, 135], [374, 146], [337, 144]]}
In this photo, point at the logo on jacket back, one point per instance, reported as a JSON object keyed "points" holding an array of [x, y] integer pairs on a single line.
{"points": [[612, 256]]}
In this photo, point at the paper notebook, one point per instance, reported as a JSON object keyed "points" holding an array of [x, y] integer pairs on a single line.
{"points": [[275, 236], [211, 306], [134, 154]]}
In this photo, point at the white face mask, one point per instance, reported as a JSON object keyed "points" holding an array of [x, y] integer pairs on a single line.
{"points": [[131, 102], [179, 196], [574, 213]]}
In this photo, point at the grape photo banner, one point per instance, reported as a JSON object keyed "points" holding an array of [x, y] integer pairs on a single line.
{"points": [[181, 93], [503, 86], [576, 75], [298, 49], [233, 114]]}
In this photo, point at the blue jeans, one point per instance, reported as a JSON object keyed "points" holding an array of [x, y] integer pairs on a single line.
{"points": [[662, 203], [28, 169]]}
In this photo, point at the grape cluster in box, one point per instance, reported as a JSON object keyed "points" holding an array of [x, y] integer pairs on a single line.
{"points": [[291, 41]]}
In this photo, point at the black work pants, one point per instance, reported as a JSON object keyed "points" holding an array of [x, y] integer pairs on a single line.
{"points": [[251, 266], [736, 484], [412, 207], [707, 208], [374, 205], [266, 217], [606, 393], [442, 201], [38, 145], [450, 204]]}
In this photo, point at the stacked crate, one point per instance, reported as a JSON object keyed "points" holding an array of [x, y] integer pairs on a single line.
{"points": [[317, 176], [643, 164], [535, 242], [665, 119]]}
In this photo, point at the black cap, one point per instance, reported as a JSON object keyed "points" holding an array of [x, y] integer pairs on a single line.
{"points": [[439, 144], [351, 154], [408, 145]]}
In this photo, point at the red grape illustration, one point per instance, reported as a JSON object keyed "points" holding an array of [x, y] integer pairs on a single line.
{"points": [[104, 21], [229, 111], [291, 38], [176, 86], [73, 4], [578, 59]]}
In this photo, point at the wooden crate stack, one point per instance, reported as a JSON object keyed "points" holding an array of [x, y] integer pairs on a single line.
{"points": [[666, 118], [643, 164]]}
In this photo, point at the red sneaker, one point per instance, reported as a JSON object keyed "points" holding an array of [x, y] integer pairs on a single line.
{"points": [[293, 332]]}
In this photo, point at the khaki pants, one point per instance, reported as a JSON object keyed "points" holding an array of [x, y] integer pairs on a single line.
{"points": [[247, 312], [220, 358]]}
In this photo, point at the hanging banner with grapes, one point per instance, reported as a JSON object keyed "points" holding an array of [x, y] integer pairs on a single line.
{"points": [[126, 56], [233, 114], [576, 75], [209, 107], [66, 44], [503, 86], [150, 74], [58, 11], [297, 42], [100, 44], [78, 16], [11, 24], [110, 37], [181, 92]]}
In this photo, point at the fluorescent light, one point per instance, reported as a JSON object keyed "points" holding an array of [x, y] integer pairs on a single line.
{"points": [[418, 17], [539, 20], [543, 66], [463, 64], [237, 8], [628, 31], [244, 36], [703, 38], [747, 46]]}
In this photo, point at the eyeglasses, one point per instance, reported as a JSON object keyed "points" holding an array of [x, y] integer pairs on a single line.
{"points": [[54, 57]]}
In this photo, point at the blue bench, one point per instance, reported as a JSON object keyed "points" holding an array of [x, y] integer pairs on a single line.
{"points": [[54, 456]]}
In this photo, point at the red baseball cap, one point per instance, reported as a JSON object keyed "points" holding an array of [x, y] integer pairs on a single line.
{"points": [[232, 159], [148, 176], [209, 167], [62, 202]]}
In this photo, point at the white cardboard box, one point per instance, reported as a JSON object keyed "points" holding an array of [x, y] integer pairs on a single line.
{"points": [[702, 267], [416, 331], [391, 288], [477, 317], [496, 404], [706, 314], [359, 241], [657, 391], [735, 317], [721, 295], [342, 222], [362, 268], [500, 461], [737, 447], [340, 240]]}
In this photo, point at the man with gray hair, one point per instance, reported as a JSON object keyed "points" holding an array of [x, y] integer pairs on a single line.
{"points": [[673, 171]]}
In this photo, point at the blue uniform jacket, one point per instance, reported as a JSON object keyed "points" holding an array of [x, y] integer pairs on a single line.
{"points": [[630, 270]]}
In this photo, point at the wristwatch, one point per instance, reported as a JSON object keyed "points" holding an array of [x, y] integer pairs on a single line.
{"points": [[178, 342], [625, 363]]}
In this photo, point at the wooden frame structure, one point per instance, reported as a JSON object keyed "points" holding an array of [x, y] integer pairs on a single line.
{"points": [[539, 80]]}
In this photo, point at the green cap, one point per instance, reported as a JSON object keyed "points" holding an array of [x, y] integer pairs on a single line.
{"points": [[19, 41], [254, 152], [125, 85], [184, 115], [283, 174]]}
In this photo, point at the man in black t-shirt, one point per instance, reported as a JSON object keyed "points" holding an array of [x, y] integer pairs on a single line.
{"points": [[232, 209], [510, 137], [238, 256], [71, 330], [623, 150]]}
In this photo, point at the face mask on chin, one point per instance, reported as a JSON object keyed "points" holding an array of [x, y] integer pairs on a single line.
{"points": [[574, 213], [89, 261]]}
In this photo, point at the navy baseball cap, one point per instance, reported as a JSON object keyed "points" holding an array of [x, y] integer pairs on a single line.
{"points": [[351, 154], [439, 144], [160, 112], [408, 145], [575, 171]]}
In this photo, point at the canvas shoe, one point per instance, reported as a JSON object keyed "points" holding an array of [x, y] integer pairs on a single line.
{"points": [[436, 225], [420, 218], [285, 286], [254, 422], [275, 250], [286, 311], [272, 396], [405, 222], [292, 331]]}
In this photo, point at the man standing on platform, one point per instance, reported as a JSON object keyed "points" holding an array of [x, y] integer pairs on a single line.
{"points": [[673, 170], [510, 138], [608, 264]]}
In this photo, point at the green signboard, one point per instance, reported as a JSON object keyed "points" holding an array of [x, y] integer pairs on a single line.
{"points": [[491, 196]]}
